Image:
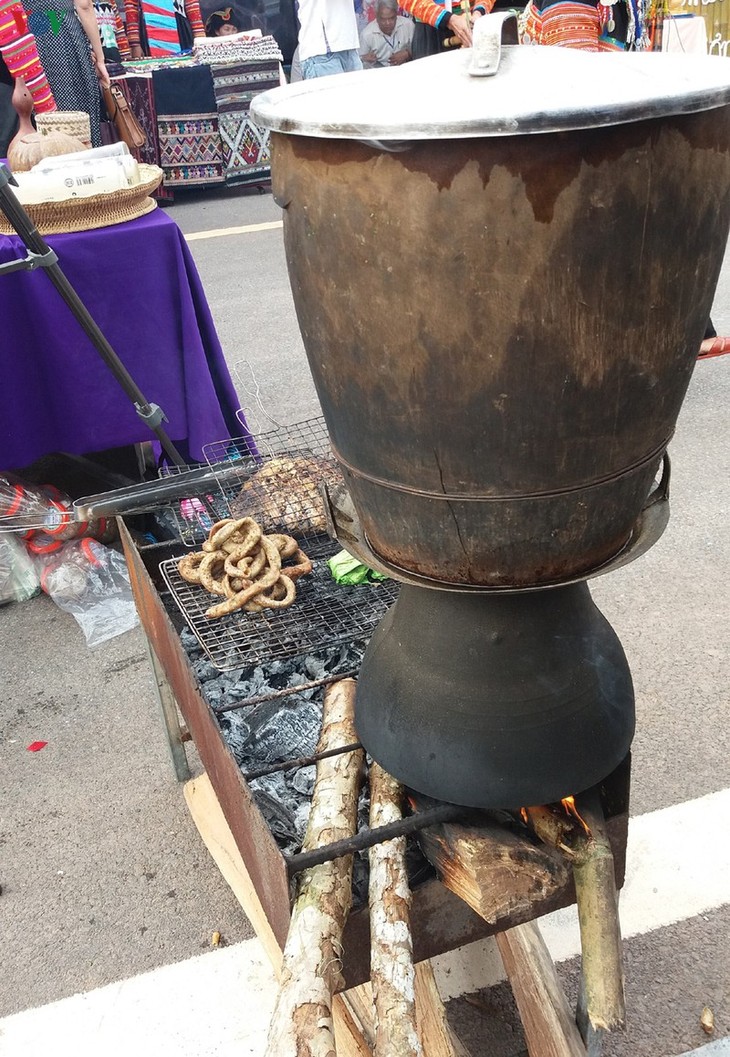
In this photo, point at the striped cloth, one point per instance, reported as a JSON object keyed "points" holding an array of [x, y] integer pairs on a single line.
{"points": [[566, 24], [19, 50]]}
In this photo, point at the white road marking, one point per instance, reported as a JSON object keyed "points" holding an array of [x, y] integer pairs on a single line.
{"points": [[219, 233], [219, 1004], [676, 868]]}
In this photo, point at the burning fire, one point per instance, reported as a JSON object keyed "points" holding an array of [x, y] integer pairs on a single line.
{"points": [[568, 803]]}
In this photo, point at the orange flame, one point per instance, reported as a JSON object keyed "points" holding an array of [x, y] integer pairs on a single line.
{"points": [[568, 803]]}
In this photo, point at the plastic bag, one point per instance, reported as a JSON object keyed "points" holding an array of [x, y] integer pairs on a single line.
{"points": [[19, 578], [43, 513], [91, 582]]}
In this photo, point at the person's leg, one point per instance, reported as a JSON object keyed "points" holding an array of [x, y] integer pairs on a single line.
{"points": [[321, 66], [350, 60], [334, 62]]}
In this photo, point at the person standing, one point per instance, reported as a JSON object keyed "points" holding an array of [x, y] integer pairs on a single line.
{"points": [[69, 48], [328, 38], [441, 25], [387, 40]]}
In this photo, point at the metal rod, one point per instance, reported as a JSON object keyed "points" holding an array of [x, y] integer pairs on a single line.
{"points": [[151, 414], [287, 692], [306, 859], [300, 761]]}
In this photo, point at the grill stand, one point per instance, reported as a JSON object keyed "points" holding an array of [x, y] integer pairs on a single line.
{"points": [[258, 872]]}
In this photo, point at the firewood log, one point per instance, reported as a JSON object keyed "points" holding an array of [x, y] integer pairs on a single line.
{"points": [[391, 944], [498, 873], [302, 1022], [601, 1005]]}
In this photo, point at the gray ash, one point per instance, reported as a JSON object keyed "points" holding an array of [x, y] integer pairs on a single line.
{"points": [[282, 729]]}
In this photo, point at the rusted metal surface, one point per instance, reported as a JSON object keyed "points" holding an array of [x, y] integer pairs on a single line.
{"points": [[440, 921], [504, 365], [368, 838], [253, 837]]}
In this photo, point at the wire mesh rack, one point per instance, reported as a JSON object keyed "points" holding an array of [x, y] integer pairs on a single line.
{"points": [[279, 480], [324, 614], [194, 515]]}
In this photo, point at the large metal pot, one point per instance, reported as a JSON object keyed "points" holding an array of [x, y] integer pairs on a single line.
{"points": [[502, 284]]}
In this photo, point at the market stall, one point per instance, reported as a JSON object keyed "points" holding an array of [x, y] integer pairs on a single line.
{"points": [[140, 284], [195, 112]]}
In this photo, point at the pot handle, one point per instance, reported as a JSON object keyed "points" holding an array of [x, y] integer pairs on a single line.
{"points": [[660, 494], [489, 33]]}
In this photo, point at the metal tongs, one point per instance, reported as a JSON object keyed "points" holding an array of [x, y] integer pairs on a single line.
{"points": [[150, 495]]}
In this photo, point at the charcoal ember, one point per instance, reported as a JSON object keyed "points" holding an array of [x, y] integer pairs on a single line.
{"points": [[278, 818], [236, 732], [363, 808], [190, 644], [278, 673], [303, 780], [301, 818], [418, 867], [281, 732], [204, 670], [360, 878]]}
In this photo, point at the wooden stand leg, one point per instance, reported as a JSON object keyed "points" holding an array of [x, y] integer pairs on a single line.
{"points": [[550, 1030], [170, 716]]}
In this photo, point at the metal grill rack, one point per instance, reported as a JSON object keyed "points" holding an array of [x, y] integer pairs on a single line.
{"points": [[194, 515], [281, 476], [324, 614]]}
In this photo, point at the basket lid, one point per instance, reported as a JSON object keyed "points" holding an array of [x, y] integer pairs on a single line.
{"points": [[530, 90]]}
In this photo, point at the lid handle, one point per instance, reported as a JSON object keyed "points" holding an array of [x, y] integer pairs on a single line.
{"points": [[489, 33]]}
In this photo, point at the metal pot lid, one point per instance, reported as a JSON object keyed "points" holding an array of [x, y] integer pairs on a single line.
{"points": [[530, 90]]}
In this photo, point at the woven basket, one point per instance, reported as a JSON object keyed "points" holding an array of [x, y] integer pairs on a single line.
{"points": [[72, 122], [99, 211]]}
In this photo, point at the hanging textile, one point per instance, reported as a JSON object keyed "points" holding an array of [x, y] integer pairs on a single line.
{"points": [[246, 157], [161, 25], [188, 127]]}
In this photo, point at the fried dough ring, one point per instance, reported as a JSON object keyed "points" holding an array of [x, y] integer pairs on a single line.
{"points": [[245, 537], [269, 601], [258, 562], [287, 545], [233, 585], [208, 545], [207, 579], [242, 597], [218, 538], [302, 567], [224, 608], [188, 567], [277, 592]]}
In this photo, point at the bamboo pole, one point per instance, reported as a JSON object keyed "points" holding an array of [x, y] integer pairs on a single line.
{"points": [[302, 1022], [585, 844], [601, 1004]]}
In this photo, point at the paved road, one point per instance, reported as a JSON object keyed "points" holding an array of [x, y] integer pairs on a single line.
{"points": [[104, 876]]}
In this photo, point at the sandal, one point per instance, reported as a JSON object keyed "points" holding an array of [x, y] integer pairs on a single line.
{"points": [[713, 347]]}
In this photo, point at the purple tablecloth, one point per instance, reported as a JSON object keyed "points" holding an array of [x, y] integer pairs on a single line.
{"points": [[140, 284]]}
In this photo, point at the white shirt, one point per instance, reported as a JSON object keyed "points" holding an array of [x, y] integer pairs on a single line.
{"points": [[326, 26], [372, 38]]}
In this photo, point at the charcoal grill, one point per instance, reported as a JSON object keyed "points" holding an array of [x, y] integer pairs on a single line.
{"points": [[441, 922], [324, 614]]}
